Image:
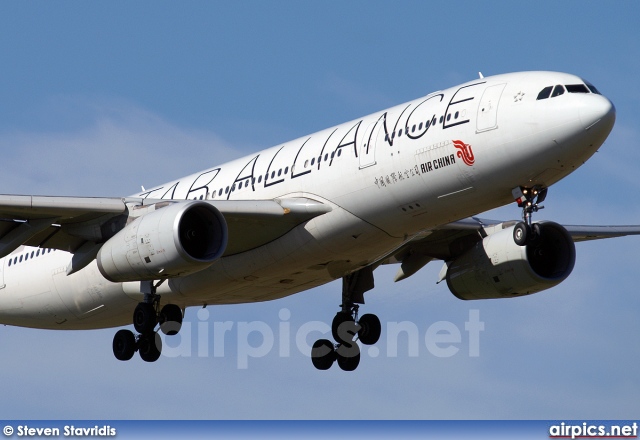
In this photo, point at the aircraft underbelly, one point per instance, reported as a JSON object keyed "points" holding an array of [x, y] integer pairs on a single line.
{"points": [[325, 248]]}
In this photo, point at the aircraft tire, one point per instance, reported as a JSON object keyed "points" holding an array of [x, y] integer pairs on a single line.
{"points": [[144, 318], [150, 347], [370, 329], [323, 355], [521, 234], [343, 328], [348, 356], [171, 318], [124, 345]]}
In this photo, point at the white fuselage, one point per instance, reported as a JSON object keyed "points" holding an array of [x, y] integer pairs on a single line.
{"points": [[387, 176]]}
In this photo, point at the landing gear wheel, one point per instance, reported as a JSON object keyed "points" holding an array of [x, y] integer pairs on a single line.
{"points": [[124, 345], [370, 329], [535, 234], [150, 347], [323, 355], [144, 318], [170, 319], [521, 234], [348, 356], [343, 327]]}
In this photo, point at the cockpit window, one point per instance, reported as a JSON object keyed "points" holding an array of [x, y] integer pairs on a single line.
{"points": [[544, 93], [577, 88], [592, 88], [557, 91]]}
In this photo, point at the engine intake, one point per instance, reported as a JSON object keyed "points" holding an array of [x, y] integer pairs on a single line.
{"points": [[496, 267], [175, 240]]}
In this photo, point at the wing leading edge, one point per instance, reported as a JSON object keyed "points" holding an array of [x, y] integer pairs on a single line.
{"points": [[81, 224], [451, 240]]}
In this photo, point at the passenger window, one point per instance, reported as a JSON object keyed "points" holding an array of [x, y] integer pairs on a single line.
{"points": [[557, 91], [544, 93]]}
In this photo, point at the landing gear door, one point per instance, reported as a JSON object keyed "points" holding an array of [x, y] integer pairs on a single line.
{"points": [[488, 108]]}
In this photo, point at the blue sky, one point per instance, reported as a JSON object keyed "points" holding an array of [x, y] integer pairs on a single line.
{"points": [[98, 98]]}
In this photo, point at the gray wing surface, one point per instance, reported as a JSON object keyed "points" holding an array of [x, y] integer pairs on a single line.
{"points": [[81, 223], [448, 241]]}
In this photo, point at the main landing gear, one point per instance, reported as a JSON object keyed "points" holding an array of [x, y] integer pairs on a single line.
{"points": [[145, 318], [346, 328], [529, 200]]}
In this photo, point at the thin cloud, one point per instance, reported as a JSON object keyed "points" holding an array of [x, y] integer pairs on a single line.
{"points": [[117, 139]]}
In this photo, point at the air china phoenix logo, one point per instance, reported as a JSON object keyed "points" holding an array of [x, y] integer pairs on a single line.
{"points": [[464, 152]]}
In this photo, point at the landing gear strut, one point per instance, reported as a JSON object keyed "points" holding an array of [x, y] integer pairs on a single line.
{"points": [[346, 328], [529, 200], [145, 318]]}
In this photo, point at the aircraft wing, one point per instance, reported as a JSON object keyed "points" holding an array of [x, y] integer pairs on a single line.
{"points": [[73, 223], [451, 240]]}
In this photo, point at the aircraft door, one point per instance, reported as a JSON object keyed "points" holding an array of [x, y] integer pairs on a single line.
{"points": [[367, 150], [488, 108]]}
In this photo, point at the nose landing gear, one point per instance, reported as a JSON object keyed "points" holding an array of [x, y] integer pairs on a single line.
{"points": [[529, 200], [145, 318]]}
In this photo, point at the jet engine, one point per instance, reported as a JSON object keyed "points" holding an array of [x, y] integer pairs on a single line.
{"points": [[174, 240], [496, 267]]}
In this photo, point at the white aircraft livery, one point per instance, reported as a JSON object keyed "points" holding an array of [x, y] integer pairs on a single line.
{"points": [[400, 186]]}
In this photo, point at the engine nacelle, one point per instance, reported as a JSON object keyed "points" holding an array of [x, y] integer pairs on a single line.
{"points": [[175, 240], [497, 267]]}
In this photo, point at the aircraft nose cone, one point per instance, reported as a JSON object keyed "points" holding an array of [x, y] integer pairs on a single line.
{"points": [[598, 112]]}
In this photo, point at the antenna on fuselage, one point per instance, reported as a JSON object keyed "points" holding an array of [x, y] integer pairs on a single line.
{"points": [[481, 75]]}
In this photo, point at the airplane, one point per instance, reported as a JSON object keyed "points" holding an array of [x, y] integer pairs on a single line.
{"points": [[401, 186]]}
